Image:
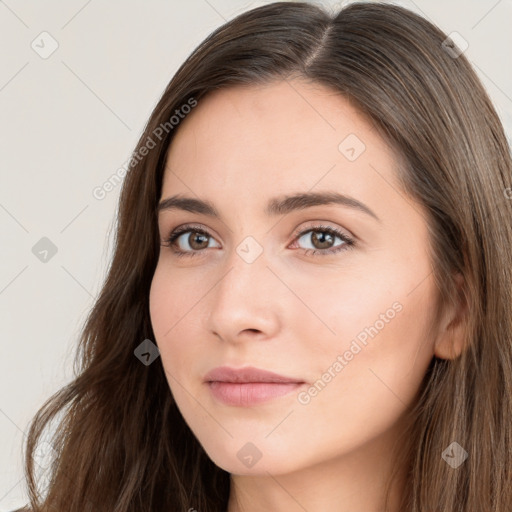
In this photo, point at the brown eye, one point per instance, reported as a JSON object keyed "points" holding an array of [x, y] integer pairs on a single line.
{"points": [[322, 239], [195, 238]]}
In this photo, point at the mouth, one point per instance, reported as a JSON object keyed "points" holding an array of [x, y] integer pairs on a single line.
{"points": [[248, 386]]}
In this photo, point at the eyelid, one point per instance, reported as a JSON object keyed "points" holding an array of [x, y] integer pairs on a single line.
{"points": [[313, 224], [317, 225]]}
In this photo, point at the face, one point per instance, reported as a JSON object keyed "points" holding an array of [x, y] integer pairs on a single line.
{"points": [[336, 296]]}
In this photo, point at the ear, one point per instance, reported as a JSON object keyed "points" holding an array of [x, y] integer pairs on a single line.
{"points": [[451, 338]]}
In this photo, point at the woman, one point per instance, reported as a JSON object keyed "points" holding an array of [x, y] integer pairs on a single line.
{"points": [[308, 306]]}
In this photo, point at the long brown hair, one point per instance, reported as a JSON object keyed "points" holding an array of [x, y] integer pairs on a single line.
{"points": [[121, 444]]}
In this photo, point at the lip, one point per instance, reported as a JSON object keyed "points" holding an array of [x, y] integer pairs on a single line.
{"points": [[245, 375], [248, 386]]}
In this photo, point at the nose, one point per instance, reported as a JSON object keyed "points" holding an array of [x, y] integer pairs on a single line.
{"points": [[246, 302]]}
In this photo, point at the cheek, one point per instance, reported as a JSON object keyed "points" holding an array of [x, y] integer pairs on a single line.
{"points": [[174, 307], [388, 352], [160, 302], [171, 297], [378, 347], [165, 312], [369, 373]]}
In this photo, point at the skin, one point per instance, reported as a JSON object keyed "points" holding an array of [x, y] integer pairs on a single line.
{"points": [[291, 312]]}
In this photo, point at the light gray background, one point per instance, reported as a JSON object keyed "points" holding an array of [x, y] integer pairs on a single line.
{"points": [[69, 121]]}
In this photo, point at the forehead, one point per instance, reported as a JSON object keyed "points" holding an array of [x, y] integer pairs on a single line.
{"points": [[267, 139]]}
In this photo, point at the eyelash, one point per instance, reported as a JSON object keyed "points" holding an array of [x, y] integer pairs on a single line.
{"points": [[348, 242]]}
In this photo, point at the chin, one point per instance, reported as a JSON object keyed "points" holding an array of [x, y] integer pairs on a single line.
{"points": [[258, 457]]}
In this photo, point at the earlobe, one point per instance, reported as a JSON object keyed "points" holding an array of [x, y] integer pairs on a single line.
{"points": [[451, 339]]}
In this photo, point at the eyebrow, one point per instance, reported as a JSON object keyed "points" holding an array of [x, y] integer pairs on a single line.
{"points": [[276, 206]]}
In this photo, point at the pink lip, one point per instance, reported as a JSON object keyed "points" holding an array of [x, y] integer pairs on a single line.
{"points": [[248, 386]]}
